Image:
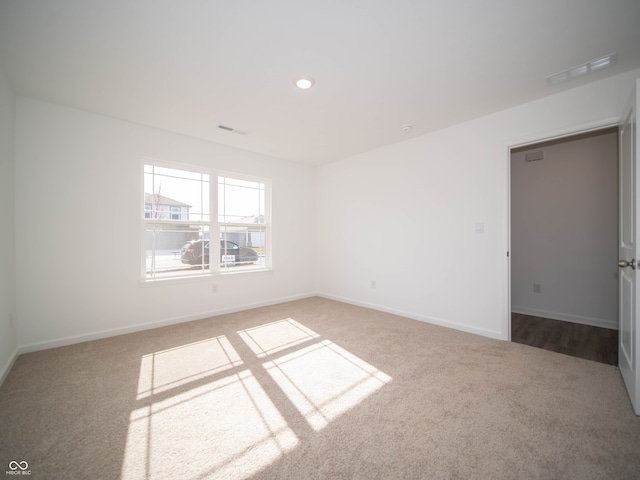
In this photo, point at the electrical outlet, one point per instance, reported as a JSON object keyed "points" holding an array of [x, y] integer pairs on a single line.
{"points": [[214, 288], [537, 288], [373, 284]]}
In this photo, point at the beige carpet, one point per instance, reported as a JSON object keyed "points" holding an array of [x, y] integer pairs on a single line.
{"points": [[314, 389]]}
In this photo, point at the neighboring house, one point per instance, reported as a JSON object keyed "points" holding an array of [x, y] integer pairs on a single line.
{"points": [[164, 208], [247, 236], [167, 236]]}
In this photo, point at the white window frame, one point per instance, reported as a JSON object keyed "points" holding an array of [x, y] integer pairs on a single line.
{"points": [[214, 225]]}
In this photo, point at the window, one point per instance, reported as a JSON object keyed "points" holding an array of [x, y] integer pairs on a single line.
{"points": [[179, 226], [242, 221]]}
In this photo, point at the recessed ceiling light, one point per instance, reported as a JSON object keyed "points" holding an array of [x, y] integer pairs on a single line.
{"points": [[580, 70], [406, 128], [304, 82]]}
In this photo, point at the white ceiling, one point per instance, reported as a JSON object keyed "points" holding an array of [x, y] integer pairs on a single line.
{"points": [[188, 66]]}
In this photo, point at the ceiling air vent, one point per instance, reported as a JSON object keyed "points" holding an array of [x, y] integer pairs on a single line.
{"points": [[534, 156], [584, 69], [230, 129]]}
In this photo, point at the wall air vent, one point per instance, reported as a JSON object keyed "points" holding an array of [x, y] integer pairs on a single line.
{"points": [[534, 156]]}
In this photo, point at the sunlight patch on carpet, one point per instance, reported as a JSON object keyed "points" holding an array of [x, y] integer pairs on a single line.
{"points": [[218, 408], [228, 428], [324, 381], [168, 369], [274, 337]]}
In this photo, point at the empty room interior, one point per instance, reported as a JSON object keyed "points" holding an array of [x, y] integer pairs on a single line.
{"points": [[258, 240]]}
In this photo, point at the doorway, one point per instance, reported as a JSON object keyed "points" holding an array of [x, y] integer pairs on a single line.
{"points": [[564, 241]]}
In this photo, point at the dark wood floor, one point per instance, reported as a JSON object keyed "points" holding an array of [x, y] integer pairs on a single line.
{"points": [[593, 343]]}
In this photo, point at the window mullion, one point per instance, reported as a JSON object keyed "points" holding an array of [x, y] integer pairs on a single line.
{"points": [[214, 228], [177, 222], [267, 225]]}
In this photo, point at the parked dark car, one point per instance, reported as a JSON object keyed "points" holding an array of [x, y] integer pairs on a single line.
{"points": [[196, 252]]}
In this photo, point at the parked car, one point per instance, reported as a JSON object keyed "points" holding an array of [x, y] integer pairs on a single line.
{"points": [[196, 252]]}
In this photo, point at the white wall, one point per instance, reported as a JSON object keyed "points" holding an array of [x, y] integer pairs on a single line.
{"points": [[78, 184], [406, 215], [564, 231], [8, 335]]}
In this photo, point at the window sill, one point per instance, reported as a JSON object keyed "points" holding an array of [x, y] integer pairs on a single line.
{"points": [[145, 282]]}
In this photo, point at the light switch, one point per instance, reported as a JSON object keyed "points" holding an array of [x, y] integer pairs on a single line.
{"points": [[480, 227]]}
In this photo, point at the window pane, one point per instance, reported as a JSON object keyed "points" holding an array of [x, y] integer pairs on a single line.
{"points": [[240, 201], [242, 248], [176, 250], [172, 194]]}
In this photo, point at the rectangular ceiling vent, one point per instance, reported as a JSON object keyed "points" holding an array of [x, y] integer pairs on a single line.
{"points": [[534, 156], [230, 129], [584, 69]]}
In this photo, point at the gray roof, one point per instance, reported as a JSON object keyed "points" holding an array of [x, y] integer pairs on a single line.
{"points": [[156, 199]]}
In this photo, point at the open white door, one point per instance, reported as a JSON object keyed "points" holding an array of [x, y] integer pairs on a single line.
{"points": [[629, 252]]}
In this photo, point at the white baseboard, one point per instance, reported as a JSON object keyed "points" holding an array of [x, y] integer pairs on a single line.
{"points": [[62, 342], [6, 368], [417, 316], [594, 322]]}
